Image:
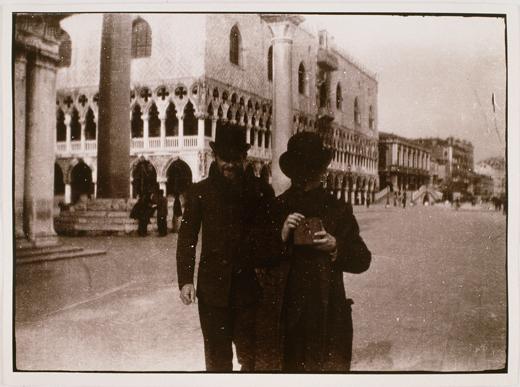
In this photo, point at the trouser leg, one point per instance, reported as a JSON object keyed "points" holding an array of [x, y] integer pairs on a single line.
{"points": [[142, 227], [161, 225], [244, 336], [216, 328], [294, 348]]}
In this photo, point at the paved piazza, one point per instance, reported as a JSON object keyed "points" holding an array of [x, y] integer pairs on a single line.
{"points": [[433, 299]]}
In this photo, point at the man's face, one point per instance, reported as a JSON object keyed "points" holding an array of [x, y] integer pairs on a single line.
{"points": [[230, 169]]}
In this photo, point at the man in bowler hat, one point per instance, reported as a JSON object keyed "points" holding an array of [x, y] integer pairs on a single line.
{"points": [[305, 315], [226, 205]]}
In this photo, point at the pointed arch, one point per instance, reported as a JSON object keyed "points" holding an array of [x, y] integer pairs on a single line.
{"points": [[75, 125], [59, 183], [90, 125], [178, 177], [302, 81], [141, 39], [190, 121], [172, 122], [81, 181], [144, 177], [357, 114], [154, 123], [61, 128], [339, 97], [137, 121], [371, 119], [235, 45]]}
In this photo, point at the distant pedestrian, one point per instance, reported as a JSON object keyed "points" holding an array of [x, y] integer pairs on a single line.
{"points": [[368, 201], [404, 199], [142, 212], [457, 203], [162, 213]]}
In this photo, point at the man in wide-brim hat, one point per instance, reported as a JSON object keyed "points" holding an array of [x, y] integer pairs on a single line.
{"points": [[313, 321], [227, 205]]}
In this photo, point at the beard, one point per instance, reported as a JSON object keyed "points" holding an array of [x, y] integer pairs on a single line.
{"points": [[230, 173]]}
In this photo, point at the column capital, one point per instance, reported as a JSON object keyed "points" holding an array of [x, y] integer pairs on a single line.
{"points": [[282, 25], [40, 34]]}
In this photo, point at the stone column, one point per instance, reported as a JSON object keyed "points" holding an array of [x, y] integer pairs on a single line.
{"points": [[162, 117], [68, 193], [200, 132], [20, 68], [114, 91], [180, 117], [82, 138], [282, 27], [248, 133], [213, 128], [36, 35], [146, 141], [162, 185], [68, 132]]}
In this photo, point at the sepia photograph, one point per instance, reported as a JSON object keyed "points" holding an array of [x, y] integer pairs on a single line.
{"points": [[259, 191]]}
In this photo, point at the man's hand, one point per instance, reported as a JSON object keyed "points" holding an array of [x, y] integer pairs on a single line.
{"points": [[323, 241], [188, 294], [292, 221]]}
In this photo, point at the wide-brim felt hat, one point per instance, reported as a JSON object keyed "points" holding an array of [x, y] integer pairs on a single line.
{"points": [[230, 141], [305, 155]]}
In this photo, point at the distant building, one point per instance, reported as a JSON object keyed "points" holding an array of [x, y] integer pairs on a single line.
{"points": [[494, 168], [403, 164], [457, 157], [437, 171], [483, 186]]}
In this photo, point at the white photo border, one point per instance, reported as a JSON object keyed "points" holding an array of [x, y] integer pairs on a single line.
{"points": [[252, 380]]}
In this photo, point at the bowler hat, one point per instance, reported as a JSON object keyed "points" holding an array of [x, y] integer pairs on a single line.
{"points": [[305, 155], [230, 141]]}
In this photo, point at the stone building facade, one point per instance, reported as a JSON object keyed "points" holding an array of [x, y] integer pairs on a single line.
{"points": [[189, 72], [404, 165], [455, 154], [493, 168]]}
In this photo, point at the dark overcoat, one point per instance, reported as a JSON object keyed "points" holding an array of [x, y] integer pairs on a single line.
{"points": [[227, 215], [306, 289]]}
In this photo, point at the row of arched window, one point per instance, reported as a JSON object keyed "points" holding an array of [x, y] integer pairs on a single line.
{"points": [[75, 125]]}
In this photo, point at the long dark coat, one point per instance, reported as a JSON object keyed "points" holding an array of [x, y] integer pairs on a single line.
{"points": [[305, 291], [227, 215]]}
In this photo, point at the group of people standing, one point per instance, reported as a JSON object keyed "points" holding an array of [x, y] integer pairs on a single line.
{"points": [[270, 276], [147, 203]]}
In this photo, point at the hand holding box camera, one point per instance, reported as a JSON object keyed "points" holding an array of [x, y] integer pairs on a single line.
{"points": [[304, 233]]}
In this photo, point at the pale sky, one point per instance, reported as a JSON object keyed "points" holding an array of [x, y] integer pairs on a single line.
{"points": [[436, 74]]}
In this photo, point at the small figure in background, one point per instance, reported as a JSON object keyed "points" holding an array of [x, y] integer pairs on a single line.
{"points": [[162, 213], [142, 212]]}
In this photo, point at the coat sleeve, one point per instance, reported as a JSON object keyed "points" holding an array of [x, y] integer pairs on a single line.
{"points": [[188, 237], [269, 247], [353, 254]]}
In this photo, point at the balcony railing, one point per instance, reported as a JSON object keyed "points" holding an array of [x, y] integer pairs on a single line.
{"points": [[75, 146], [91, 146], [190, 141], [137, 145], [152, 144]]}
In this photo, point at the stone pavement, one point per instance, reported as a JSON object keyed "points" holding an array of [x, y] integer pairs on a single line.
{"points": [[433, 299]]}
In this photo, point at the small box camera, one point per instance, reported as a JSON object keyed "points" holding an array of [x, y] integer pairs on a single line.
{"points": [[304, 233]]}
